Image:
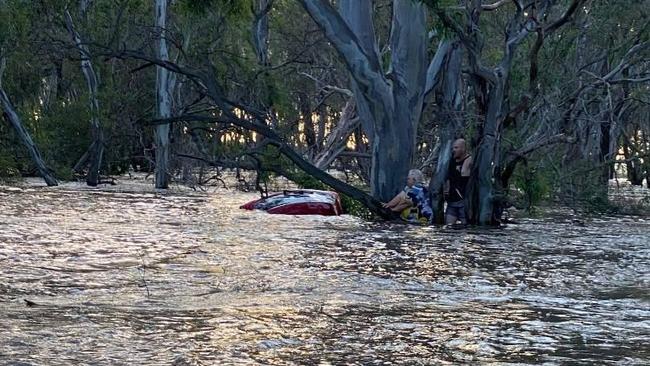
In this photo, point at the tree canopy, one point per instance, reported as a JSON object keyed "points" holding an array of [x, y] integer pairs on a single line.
{"points": [[553, 96]]}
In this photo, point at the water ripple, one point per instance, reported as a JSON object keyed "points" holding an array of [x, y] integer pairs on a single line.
{"points": [[98, 276]]}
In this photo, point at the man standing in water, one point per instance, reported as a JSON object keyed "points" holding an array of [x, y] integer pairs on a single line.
{"points": [[460, 168]]}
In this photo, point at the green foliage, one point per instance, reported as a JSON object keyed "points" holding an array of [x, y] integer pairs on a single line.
{"points": [[533, 183], [8, 167], [439, 28], [232, 8], [62, 135], [15, 21], [355, 208], [584, 186], [594, 199]]}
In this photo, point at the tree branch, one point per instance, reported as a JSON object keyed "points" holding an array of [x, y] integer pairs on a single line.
{"points": [[365, 69], [565, 17], [494, 6]]}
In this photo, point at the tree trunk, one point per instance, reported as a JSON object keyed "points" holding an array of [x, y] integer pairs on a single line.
{"points": [[323, 115], [646, 162], [395, 138], [357, 14], [633, 166], [308, 124], [261, 31], [13, 118], [604, 154], [449, 101], [485, 192], [83, 7], [96, 149], [483, 182], [389, 111], [361, 147], [337, 139], [164, 91]]}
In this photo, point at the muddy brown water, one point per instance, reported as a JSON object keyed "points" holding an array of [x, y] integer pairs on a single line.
{"points": [[102, 277]]}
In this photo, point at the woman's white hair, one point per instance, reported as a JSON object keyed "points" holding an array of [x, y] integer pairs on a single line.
{"points": [[417, 175]]}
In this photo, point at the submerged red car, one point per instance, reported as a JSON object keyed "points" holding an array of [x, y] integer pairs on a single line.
{"points": [[299, 202]]}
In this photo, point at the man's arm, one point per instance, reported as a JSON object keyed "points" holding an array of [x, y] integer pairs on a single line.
{"points": [[466, 170]]}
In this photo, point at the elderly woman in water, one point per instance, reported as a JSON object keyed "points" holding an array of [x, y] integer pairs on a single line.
{"points": [[412, 203]]}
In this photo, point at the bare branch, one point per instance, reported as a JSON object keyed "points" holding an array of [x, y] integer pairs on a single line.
{"points": [[629, 80], [364, 68], [565, 17], [435, 67], [536, 145], [494, 6], [329, 88]]}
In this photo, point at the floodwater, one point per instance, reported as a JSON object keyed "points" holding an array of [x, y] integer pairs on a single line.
{"points": [[101, 277]]}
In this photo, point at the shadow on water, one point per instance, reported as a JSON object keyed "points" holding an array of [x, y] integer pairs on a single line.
{"points": [[188, 279]]}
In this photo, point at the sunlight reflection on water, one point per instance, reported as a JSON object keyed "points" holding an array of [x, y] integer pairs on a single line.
{"points": [[187, 278]]}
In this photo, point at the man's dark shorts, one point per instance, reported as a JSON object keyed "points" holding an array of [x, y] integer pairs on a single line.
{"points": [[457, 209]]}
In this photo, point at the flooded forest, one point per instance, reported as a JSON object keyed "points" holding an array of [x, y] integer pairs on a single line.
{"points": [[324, 182]]}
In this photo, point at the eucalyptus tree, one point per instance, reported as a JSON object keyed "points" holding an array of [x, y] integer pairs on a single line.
{"points": [[164, 90], [389, 102], [94, 156], [13, 118], [14, 29], [260, 29], [592, 78], [491, 85], [606, 110]]}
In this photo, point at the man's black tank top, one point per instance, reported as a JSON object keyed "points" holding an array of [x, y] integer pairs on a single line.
{"points": [[457, 183]]}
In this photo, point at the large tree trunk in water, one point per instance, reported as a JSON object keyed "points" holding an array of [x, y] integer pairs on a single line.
{"points": [[23, 134], [482, 185], [96, 149], [394, 146], [389, 111], [485, 193], [447, 88], [164, 90]]}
